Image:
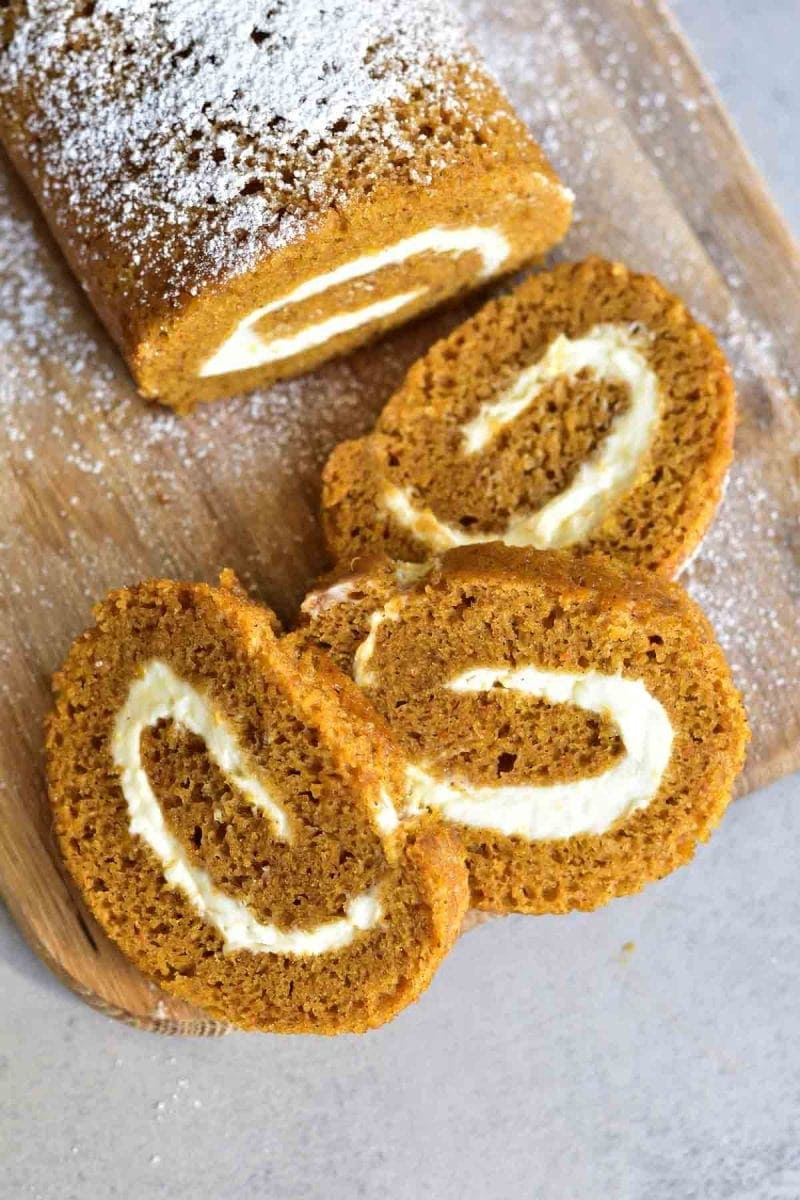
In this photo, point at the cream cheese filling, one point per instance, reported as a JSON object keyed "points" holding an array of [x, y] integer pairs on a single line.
{"points": [[559, 810], [245, 348], [159, 694], [405, 574], [614, 353], [364, 674]]}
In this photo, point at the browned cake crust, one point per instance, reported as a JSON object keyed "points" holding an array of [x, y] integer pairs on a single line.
{"points": [[498, 607], [661, 511], [197, 167], [306, 734]]}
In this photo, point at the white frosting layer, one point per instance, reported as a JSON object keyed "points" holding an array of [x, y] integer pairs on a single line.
{"points": [[338, 593], [560, 810], [614, 354], [363, 673], [407, 574], [159, 694], [245, 348], [386, 817]]}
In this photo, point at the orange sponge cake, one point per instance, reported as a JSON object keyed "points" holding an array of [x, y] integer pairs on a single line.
{"points": [[575, 721], [226, 805], [587, 410], [245, 188]]}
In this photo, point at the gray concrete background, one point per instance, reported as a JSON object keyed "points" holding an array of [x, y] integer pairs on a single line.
{"points": [[548, 1061]]}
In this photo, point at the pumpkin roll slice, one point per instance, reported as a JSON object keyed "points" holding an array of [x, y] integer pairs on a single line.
{"points": [[575, 721], [226, 804], [587, 411]]}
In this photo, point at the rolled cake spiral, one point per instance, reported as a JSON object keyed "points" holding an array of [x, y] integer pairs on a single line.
{"points": [[587, 411], [227, 806], [574, 720]]}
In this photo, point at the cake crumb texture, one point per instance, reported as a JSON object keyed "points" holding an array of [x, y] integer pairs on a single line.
{"points": [[418, 442], [327, 762], [496, 606]]}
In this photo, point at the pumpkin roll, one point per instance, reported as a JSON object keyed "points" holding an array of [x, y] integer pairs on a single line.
{"points": [[574, 720], [226, 803], [587, 411], [245, 189]]}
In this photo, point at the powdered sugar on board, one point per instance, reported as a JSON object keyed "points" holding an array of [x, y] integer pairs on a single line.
{"points": [[98, 489]]}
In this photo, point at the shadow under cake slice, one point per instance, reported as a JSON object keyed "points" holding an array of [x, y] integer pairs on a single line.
{"points": [[587, 410], [226, 805], [573, 719]]}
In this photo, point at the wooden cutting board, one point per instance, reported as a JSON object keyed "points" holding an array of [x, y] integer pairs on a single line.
{"points": [[98, 490]]}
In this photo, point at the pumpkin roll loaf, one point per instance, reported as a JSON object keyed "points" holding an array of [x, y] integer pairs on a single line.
{"points": [[247, 187], [574, 720], [226, 804], [587, 410]]}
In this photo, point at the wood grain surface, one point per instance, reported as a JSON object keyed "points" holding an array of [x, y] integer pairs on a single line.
{"points": [[97, 489]]}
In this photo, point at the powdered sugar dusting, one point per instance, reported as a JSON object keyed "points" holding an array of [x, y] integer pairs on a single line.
{"points": [[198, 134]]}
